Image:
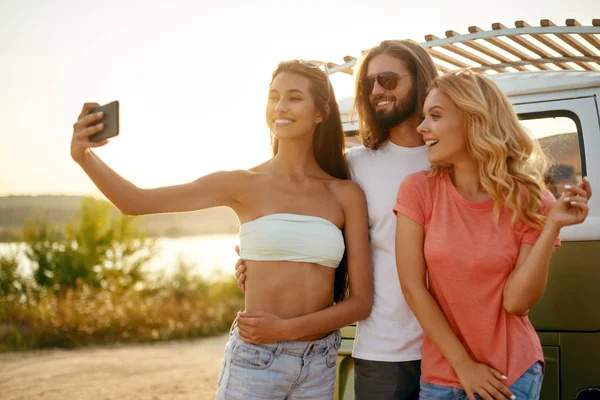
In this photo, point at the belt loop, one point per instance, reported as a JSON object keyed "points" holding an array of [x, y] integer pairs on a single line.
{"points": [[233, 325], [331, 340], [308, 349], [279, 348], [328, 342]]}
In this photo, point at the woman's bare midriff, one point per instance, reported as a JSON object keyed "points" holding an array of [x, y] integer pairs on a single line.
{"points": [[288, 289]]}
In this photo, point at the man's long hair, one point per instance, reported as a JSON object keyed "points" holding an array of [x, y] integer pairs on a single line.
{"points": [[419, 64]]}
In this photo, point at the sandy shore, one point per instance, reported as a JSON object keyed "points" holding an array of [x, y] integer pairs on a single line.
{"points": [[174, 370]]}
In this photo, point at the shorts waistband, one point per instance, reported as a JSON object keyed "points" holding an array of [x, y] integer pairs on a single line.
{"points": [[297, 348]]}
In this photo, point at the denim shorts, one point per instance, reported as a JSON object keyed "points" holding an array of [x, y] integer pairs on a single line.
{"points": [[283, 370], [527, 387]]}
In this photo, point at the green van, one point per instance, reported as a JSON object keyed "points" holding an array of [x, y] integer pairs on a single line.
{"points": [[558, 100]]}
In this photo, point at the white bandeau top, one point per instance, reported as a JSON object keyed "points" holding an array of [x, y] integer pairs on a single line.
{"points": [[292, 237]]}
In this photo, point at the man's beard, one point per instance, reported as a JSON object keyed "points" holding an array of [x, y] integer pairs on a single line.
{"points": [[399, 113]]}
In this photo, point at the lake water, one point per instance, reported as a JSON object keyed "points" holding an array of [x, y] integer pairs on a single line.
{"points": [[211, 255]]}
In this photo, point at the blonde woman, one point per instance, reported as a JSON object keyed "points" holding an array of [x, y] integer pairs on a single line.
{"points": [[474, 239]]}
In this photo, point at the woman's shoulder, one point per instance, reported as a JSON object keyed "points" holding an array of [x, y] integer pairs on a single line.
{"points": [[424, 184], [345, 187], [348, 192], [421, 178]]}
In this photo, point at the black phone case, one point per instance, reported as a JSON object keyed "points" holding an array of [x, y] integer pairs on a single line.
{"points": [[110, 121]]}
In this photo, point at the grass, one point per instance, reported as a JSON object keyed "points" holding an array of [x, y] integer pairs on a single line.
{"points": [[165, 310]]}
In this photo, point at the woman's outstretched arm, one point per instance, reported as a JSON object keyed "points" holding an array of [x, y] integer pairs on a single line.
{"points": [[217, 189]]}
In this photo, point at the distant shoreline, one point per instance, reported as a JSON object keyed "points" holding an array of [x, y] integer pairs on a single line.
{"points": [[60, 210], [3, 241]]}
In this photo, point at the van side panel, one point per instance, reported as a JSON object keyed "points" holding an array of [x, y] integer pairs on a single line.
{"points": [[580, 362], [571, 301]]}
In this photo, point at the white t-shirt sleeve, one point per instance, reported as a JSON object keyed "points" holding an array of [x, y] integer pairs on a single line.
{"points": [[350, 159]]}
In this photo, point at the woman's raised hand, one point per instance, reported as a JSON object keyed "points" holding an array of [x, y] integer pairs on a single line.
{"points": [[572, 207], [80, 142]]}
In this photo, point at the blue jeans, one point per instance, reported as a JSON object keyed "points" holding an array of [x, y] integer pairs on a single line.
{"points": [[527, 387], [278, 371]]}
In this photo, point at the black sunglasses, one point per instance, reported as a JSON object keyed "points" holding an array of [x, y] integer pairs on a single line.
{"points": [[387, 80]]}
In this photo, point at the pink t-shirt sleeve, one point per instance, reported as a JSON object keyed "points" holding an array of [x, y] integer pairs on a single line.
{"points": [[531, 235], [411, 197]]}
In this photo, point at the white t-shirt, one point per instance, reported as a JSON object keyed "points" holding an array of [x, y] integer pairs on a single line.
{"points": [[391, 332]]}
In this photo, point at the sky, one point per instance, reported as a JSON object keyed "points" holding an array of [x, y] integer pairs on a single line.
{"points": [[191, 76]]}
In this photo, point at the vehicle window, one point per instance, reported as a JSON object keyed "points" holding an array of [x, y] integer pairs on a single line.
{"points": [[560, 139]]}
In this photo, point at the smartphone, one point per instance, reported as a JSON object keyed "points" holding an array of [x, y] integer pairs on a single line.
{"points": [[110, 121]]}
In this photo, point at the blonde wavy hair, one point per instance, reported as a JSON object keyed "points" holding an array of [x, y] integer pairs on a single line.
{"points": [[511, 162]]}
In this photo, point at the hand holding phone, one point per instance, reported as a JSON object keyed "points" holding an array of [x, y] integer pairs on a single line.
{"points": [[110, 121]]}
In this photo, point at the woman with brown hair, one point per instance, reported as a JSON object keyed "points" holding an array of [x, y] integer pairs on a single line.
{"points": [[303, 236]]}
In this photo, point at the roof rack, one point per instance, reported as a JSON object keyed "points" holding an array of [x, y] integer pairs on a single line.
{"points": [[523, 48]]}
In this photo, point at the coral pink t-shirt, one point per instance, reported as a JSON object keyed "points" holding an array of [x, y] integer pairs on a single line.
{"points": [[469, 259]]}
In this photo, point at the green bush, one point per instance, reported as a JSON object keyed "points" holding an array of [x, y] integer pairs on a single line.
{"points": [[10, 279], [89, 286], [96, 248]]}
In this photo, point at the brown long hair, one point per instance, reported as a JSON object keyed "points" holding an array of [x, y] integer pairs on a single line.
{"points": [[328, 141], [419, 64]]}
